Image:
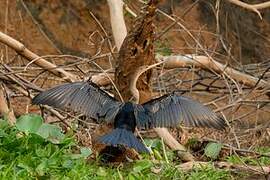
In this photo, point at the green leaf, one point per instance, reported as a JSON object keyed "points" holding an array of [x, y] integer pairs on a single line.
{"points": [[132, 176], [51, 133], [153, 143], [44, 151], [29, 123], [75, 156], [142, 165], [68, 164], [85, 152], [3, 124], [212, 150], [157, 154], [101, 172], [2, 133], [41, 168], [23, 165]]}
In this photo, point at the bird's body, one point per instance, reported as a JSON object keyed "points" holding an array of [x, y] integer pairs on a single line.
{"points": [[125, 119], [124, 127], [166, 111]]}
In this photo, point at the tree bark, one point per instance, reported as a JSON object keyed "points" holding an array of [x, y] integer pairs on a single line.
{"points": [[137, 50]]}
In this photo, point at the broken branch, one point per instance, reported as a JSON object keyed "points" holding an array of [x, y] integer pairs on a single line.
{"points": [[29, 55], [204, 62]]}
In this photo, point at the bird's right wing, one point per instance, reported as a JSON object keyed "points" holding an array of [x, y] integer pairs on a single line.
{"points": [[84, 97], [171, 110]]}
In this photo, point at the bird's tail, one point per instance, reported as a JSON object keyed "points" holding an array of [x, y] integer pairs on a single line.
{"points": [[123, 137]]}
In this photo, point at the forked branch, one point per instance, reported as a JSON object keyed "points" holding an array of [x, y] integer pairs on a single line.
{"points": [[252, 7]]}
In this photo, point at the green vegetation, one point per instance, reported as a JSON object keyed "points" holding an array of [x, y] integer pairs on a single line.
{"points": [[259, 161], [163, 48], [212, 150], [36, 150]]}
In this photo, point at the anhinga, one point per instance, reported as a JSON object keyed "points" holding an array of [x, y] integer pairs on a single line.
{"points": [[166, 111]]}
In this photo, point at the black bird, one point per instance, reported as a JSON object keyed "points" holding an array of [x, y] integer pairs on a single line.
{"points": [[166, 111]]}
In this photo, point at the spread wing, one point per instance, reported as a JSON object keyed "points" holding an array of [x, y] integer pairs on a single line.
{"points": [[171, 110], [84, 97]]}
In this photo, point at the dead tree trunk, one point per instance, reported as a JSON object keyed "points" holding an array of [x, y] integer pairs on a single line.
{"points": [[137, 50]]}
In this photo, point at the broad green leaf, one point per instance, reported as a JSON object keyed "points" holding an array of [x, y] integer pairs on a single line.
{"points": [[85, 152], [212, 150], [29, 123], [36, 139], [51, 133]]}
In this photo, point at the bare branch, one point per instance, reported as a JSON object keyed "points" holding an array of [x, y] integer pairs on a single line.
{"points": [[117, 21], [209, 64], [4, 109], [174, 144], [184, 61], [252, 7], [102, 79], [29, 55], [225, 165]]}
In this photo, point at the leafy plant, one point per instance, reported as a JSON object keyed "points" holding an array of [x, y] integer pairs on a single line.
{"points": [[260, 161], [29, 151], [32, 123], [208, 172], [29, 123], [158, 150], [35, 154], [51, 133], [212, 150]]}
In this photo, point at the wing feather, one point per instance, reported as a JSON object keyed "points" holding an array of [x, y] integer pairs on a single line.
{"points": [[171, 110], [84, 97]]}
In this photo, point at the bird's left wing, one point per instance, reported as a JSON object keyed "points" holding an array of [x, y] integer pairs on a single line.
{"points": [[171, 110], [84, 97]]}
